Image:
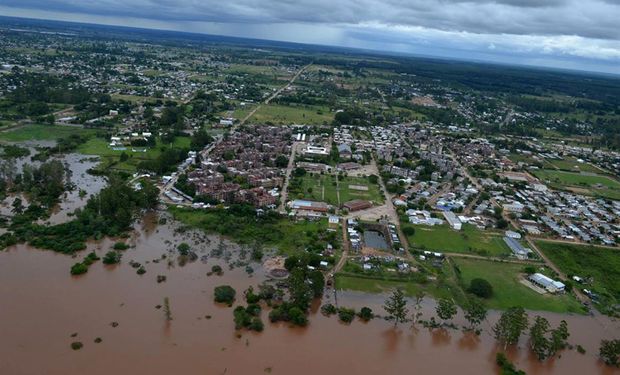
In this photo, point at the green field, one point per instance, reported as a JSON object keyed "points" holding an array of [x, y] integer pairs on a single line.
{"points": [[285, 115], [323, 188], [601, 264], [470, 240], [596, 184], [571, 164], [508, 291], [35, 132]]}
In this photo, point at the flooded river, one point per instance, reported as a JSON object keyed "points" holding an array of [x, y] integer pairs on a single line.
{"points": [[41, 306]]}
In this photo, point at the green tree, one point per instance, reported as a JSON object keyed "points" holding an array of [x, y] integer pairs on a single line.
{"points": [[559, 337], [366, 314], [481, 288], [510, 326], [539, 343], [299, 290], [183, 248], [609, 352], [446, 309], [396, 306]]}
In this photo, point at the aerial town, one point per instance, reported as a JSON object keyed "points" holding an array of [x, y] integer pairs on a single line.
{"points": [[261, 187]]}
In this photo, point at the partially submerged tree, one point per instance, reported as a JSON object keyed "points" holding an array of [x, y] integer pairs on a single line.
{"points": [[396, 306], [446, 309], [475, 313], [510, 326]]}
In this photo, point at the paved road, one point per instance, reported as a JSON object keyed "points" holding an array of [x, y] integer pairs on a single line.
{"points": [[287, 175]]}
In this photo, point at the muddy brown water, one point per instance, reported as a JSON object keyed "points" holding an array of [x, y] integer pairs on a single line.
{"points": [[41, 306]]}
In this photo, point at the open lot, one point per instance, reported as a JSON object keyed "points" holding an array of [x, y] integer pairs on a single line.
{"points": [[600, 264], [571, 164], [469, 240], [598, 185], [508, 291], [299, 114]]}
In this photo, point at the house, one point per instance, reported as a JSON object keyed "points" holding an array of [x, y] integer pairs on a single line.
{"points": [[547, 283], [357, 205], [333, 221], [304, 205], [344, 150], [517, 249], [454, 221]]}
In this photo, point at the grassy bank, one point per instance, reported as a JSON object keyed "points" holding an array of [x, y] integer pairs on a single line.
{"points": [[600, 265], [37, 132]]}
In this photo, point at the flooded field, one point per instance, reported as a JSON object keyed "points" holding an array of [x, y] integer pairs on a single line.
{"points": [[42, 306]]}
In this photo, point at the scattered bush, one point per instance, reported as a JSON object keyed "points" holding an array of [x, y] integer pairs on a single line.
{"points": [[76, 345], [366, 314], [328, 309], [346, 315], [120, 246]]}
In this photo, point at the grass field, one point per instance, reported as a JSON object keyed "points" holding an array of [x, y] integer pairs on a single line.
{"points": [[601, 264], [323, 188], [469, 240], [508, 291], [35, 132], [597, 184], [283, 114]]}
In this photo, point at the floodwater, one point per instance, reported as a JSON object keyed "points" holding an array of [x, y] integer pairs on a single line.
{"points": [[76, 166], [41, 306]]}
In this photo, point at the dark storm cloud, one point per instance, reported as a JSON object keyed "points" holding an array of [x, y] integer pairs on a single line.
{"points": [[585, 18]]}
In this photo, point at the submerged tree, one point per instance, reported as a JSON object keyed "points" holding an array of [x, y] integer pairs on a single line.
{"points": [[396, 306], [167, 311], [610, 352], [446, 309], [417, 306], [475, 313]]}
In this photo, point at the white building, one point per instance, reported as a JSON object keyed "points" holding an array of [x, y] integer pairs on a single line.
{"points": [[454, 221]]}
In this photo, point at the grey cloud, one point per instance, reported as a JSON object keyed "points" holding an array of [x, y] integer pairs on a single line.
{"points": [[585, 18]]}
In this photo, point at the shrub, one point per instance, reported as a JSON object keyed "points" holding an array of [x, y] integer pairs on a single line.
{"points": [[328, 309], [409, 231], [346, 315], [257, 325], [297, 316], [111, 257], [225, 294], [120, 246], [76, 345], [366, 314], [481, 288], [79, 268], [183, 248], [141, 271]]}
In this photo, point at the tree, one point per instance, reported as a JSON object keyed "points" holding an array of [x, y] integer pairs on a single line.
{"points": [[317, 281], [224, 294], [78, 269], [507, 367], [281, 161], [299, 290], [446, 309], [475, 312], [609, 352], [417, 306], [183, 249], [409, 231], [481, 288], [510, 326], [539, 343], [396, 306], [559, 337]]}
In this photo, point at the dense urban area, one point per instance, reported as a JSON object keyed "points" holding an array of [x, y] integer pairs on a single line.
{"points": [[466, 197]]}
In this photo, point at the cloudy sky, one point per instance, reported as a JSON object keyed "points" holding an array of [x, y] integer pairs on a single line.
{"points": [[571, 34]]}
